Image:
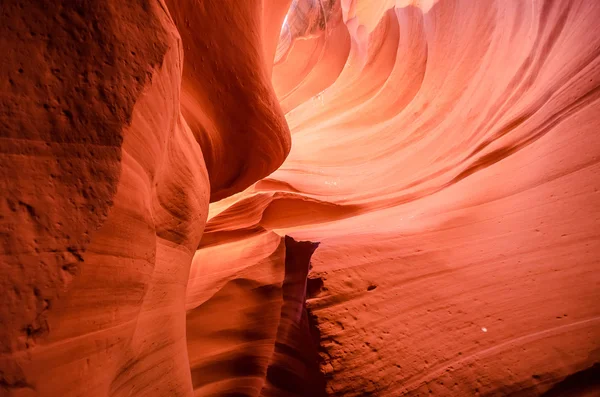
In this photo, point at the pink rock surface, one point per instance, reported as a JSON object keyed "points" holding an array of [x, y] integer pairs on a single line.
{"points": [[442, 155], [450, 170]]}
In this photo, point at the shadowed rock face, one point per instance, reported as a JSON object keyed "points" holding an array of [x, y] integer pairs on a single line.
{"points": [[104, 187], [248, 329], [444, 154]]}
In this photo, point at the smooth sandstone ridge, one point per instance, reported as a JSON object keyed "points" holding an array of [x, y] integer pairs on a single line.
{"points": [[405, 198], [104, 182]]}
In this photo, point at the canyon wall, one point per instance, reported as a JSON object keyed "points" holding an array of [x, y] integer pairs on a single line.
{"points": [[107, 170], [404, 198], [445, 154]]}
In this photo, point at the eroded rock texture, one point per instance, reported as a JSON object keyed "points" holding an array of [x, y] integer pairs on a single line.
{"points": [[444, 155], [104, 185]]}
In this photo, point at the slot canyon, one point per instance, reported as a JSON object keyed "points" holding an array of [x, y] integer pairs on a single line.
{"points": [[300, 198]]}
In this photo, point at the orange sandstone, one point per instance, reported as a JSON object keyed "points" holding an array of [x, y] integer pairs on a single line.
{"points": [[443, 155]]}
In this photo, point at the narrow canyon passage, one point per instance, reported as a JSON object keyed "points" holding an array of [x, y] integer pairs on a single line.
{"points": [[308, 198]]}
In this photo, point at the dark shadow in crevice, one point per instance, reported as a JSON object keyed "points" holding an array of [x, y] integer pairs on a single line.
{"points": [[582, 383], [295, 366]]}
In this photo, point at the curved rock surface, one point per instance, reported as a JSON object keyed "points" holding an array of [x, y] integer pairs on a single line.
{"points": [[445, 160], [104, 182], [446, 156]]}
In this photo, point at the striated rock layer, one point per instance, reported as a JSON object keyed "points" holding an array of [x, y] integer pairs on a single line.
{"points": [[444, 154], [106, 141]]}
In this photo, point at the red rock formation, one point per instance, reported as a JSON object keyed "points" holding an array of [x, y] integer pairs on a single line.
{"points": [[104, 186], [227, 98], [444, 153], [450, 171], [248, 330]]}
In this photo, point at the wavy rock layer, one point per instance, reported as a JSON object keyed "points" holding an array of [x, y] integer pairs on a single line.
{"points": [[104, 187], [97, 245], [248, 329], [446, 156]]}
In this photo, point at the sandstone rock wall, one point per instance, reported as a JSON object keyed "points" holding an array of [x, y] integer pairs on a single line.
{"points": [[442, 154]]}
